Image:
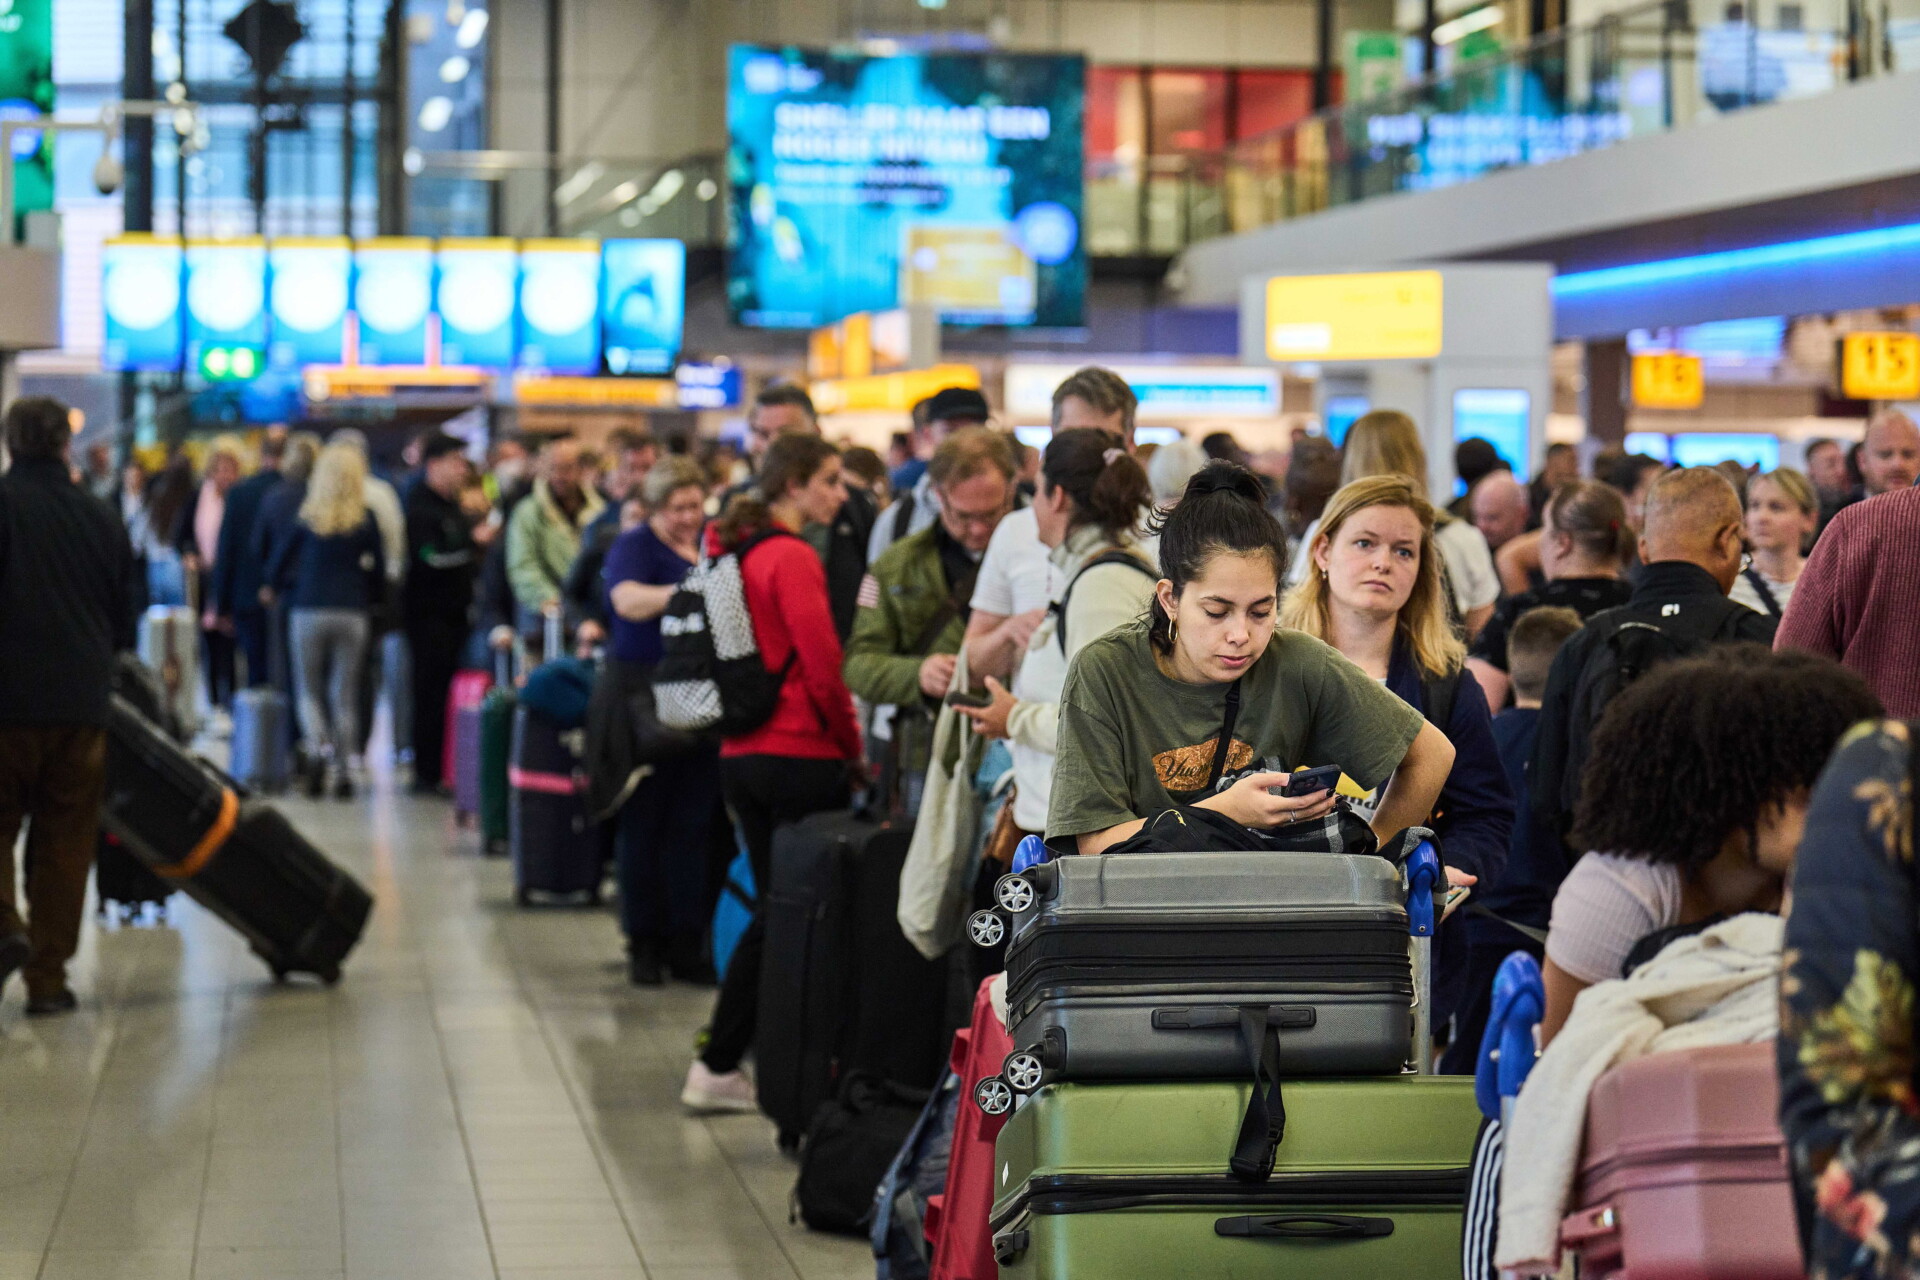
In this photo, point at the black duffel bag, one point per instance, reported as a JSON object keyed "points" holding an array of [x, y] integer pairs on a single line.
{"points": [[624, 736], [848, 1150]]}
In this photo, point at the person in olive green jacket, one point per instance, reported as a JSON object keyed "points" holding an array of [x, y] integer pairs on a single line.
{"points": [[913, 602]]}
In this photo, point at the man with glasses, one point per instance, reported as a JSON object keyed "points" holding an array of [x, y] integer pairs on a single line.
{"points": [[842, 546], [914, 599]]}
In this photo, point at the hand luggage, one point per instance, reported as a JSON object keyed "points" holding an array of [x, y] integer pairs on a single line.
{"points": [[850, 1145], [733, 913], [898, 1225], [124, 886], [170, 646], [239, 858], [1120, 1180], [957, 1217], [804, 985], [261, 754], [1684, 1172], [460, 764], [555, 850], [496, 750], [1142, 965], [896, 1021]]}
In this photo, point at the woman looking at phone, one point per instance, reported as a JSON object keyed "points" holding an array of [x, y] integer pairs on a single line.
{"points": [[1376, 592], [1205, 702]]}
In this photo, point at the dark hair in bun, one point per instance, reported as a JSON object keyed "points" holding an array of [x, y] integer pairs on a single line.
{"points": [[1106, 484], [1224, 511]]}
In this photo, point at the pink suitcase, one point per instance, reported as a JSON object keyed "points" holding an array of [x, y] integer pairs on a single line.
{"points": [[1683, 1175], [460, 761]]}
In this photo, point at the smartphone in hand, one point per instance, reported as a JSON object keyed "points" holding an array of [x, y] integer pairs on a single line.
{"points": [[1305, 782]]}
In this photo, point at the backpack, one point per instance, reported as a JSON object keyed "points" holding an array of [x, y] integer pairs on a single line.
{"points": [[1112, 555], [848, 1150], [919, 1173], [1635, 645], [711, 676]]}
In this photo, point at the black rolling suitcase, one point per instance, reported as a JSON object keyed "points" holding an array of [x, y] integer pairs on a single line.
{"points": [[841, 988], [556, 851], [804, 981], [897, 1026], [125, 887], [239, 858]]}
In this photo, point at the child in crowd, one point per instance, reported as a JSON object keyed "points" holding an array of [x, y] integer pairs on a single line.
{"points": [[1532, 643]]}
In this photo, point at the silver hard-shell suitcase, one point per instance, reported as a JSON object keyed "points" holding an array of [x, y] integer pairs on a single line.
{"points": [[1176, 966]]}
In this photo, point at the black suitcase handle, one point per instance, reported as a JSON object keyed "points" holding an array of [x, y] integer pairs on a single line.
{"points": [[1290, 1017], [1303, 1226]]}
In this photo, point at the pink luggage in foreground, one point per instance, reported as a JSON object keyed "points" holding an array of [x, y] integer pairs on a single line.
{"points": [[957, 1219], [1683, 1175]]}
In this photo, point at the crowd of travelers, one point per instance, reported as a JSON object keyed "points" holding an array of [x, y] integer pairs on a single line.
{"points": [[1626, 697]]}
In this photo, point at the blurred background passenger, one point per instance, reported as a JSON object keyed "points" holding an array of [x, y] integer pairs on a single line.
{"points": [[331, 571], [1783, 512]]}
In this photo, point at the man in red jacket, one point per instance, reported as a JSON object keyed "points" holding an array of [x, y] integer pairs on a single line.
{"points": [[1858, 599]]}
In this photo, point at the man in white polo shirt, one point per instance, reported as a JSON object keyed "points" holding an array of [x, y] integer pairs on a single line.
{"points": [[1014, 587]]}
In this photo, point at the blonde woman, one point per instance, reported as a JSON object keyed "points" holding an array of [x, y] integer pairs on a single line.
{"points": [[331, 573], [1386, 443], [1376, 593], [1783, 511]]}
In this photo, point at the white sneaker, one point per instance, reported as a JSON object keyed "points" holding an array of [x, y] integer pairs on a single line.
{"points": [[710, 1091]]}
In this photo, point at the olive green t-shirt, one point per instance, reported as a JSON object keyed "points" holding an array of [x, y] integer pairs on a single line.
{"points": [[1134, 741]]}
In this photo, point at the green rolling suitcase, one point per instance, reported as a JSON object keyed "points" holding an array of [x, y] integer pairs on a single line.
{"points": [[496, 750], [1103, 1181]]}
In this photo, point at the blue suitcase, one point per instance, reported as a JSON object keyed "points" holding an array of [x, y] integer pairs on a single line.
{"points": [[262, 747]]}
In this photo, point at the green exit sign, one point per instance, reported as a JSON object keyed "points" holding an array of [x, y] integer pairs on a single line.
{"points": [[26, 91], [230, 364]]}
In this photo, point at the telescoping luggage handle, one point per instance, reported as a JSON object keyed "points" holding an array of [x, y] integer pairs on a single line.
{"points": [[1424, 879]]}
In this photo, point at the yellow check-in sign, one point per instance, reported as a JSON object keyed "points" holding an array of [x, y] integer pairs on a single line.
{"points": [[1368, 315], [1880, 366], [1668, 380]]}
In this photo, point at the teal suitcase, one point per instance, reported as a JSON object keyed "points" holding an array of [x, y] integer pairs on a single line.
{"points": [[1104, 1181]]}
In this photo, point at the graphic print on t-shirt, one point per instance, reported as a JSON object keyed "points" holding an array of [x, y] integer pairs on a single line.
{"points": [[1185, 771]]}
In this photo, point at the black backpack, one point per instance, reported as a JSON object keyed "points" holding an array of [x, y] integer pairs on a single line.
{"points": [[711, 677], [848, 1150], [1113, 555], [1635, 644]]}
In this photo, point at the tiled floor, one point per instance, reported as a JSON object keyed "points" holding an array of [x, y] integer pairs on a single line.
{"points": [[481, 1096]]}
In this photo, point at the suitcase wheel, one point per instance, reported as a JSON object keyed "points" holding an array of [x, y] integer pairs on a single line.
{"points": [[522, 898], [993, 1096], [1015, 893], [1023, 1071], [280, 976], [986, 928]]}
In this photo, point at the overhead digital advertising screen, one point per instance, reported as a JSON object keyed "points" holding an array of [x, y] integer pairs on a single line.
{"points": [[140, 298], [307, 296], [560, 306], [861, 183], [393, 295], [475, 297], [643, 286], [227, 306]]}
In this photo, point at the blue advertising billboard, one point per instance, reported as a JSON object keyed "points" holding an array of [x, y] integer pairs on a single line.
{"points": [[393, 295], [227, 306], [140, 298], [643, 287], [1501, 416], [560, 306], [308, 296], [862, 183], [475, 297]]}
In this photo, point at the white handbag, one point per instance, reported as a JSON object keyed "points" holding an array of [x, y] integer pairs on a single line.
{"points": [[936, 880]]}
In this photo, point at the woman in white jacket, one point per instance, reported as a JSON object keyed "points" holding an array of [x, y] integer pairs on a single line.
{"points": [[1091, 499]]}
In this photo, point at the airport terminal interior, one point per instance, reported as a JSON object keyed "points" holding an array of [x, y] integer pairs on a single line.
{"points": [[958, 639]]}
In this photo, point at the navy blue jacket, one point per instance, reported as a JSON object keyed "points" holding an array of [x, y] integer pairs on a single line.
{"points": [[1474, 818], [274, 526], [1514, 731], [343, 571], [237, 574]]}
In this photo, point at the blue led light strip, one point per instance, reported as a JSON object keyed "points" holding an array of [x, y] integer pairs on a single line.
{"points": [[1791, 253]]}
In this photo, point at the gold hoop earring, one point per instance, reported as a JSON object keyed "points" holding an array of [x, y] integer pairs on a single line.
{"points": [[1173, 630]]}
